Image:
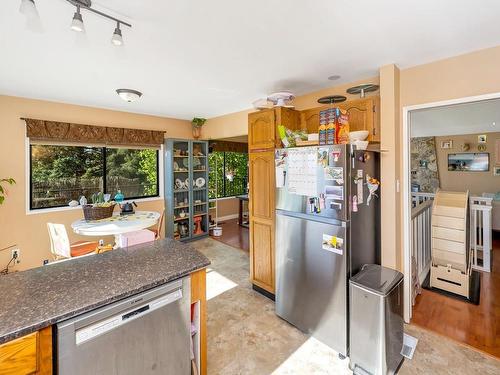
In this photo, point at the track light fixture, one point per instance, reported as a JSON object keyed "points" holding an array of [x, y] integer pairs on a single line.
{"points": [[77, 22], [117, 39], [28, 8]]}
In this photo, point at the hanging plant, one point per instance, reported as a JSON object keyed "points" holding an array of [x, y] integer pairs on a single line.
{"points": [[3, 191], [197, 123]]}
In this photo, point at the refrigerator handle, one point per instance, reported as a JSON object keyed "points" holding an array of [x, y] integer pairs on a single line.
{"points": [[352, 157]]}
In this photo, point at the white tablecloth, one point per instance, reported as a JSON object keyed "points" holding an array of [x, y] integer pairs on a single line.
{"points": [[116, 224]]}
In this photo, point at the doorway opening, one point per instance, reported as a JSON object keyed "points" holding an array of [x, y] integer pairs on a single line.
{"points": [[228, 191], [451, 162]]}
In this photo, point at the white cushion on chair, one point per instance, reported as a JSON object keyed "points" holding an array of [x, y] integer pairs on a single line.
{"points": [[59, 241]]}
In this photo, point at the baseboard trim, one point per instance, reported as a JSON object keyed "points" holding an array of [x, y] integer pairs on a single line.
{"points": [[264, 292], [229, 217]]}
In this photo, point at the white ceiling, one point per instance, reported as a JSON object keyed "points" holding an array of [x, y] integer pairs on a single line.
{"points": [[207, 58], [468, 118]]}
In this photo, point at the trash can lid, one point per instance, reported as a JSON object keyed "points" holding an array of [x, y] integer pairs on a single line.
{"points": [[378, 279]]}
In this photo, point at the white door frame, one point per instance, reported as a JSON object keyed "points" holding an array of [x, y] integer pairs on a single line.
{"points": [[406, 186]]}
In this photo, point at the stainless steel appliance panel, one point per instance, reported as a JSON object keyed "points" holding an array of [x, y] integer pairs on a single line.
{"points": [[311, 284], [376, 329], [148, 333], [338, 157]]}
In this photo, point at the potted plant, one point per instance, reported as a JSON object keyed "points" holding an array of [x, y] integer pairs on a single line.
{"points": [[197, 123], [3, 191]]}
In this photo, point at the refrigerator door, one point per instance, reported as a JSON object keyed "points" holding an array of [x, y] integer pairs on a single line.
{"points": [[331, 179], [311, 287]]}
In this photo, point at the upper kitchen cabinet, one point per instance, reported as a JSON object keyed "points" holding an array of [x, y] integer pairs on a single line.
{"points": [[262, 127], [364, 114]]}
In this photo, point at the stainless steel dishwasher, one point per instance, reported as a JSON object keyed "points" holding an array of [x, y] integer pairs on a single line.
{"points": [[148, 333]]}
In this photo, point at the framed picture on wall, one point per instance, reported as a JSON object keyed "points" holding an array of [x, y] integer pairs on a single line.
{"points": [[447, 144], [468, 162], [481, 138], [496, 171]]}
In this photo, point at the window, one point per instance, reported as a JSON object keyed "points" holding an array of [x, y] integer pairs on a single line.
{"points": [[60, 174], [230, 170]]}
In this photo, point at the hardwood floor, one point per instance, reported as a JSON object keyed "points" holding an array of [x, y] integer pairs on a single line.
{"points": [[477, 326], [234, 235]]}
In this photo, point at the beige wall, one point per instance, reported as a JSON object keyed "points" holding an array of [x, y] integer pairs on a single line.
{"points": [[476, 182], [29, 232], [475, 73], [389, 195], [236, 124], [227, 207]]}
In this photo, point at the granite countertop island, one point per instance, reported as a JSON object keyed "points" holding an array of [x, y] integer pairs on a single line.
{"points": [[34, 299]]}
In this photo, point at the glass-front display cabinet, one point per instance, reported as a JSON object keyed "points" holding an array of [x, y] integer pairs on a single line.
{"points": [[186, 189]]}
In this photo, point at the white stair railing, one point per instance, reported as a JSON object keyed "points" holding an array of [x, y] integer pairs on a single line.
{"points": [[480, 232], [421, 237]]}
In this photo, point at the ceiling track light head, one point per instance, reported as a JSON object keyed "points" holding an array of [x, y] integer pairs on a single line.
{"points": [[77, 22], [117, 38]]}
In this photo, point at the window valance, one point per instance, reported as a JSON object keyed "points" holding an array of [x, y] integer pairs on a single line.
{"points": [[227, 146], [54, 131]]}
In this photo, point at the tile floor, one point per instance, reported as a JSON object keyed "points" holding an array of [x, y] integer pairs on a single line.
{"points": [[246, 337]]}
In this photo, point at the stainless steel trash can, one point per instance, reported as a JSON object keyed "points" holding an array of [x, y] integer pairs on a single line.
{"points": [[376, 320]]}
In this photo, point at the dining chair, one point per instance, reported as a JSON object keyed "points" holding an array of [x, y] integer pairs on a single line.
{"points": [[158, 229], [61, 248]]}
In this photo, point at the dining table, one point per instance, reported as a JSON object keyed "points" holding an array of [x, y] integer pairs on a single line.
{"points": [[116, 225]]}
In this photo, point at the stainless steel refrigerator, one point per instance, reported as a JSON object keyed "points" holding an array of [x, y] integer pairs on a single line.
{"points": [[327, 227]]}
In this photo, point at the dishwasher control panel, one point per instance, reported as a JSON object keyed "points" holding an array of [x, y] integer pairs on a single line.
{"points": [[89, 332]]}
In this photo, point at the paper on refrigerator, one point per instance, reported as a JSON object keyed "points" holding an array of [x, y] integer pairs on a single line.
{"points": [[301, 174]]}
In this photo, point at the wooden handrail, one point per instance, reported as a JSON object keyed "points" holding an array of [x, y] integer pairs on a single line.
{"points": [[421, 207]]}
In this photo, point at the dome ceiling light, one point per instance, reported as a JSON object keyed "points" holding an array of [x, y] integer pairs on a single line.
{"points": [[129, 95], [281, 99], [28, 8]]}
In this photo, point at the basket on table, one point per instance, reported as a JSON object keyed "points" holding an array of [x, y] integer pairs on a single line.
{"points": [[91, 212]]}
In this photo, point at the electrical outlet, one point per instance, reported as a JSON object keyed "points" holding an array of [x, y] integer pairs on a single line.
{"points": [[16, 253]]}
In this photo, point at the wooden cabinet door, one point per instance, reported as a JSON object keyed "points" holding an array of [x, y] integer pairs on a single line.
{"points": [[287, 117], [30, 354], [310, 119], [261, 130], [262, 254], [261, 207], [363, 115], [261, 175]]}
